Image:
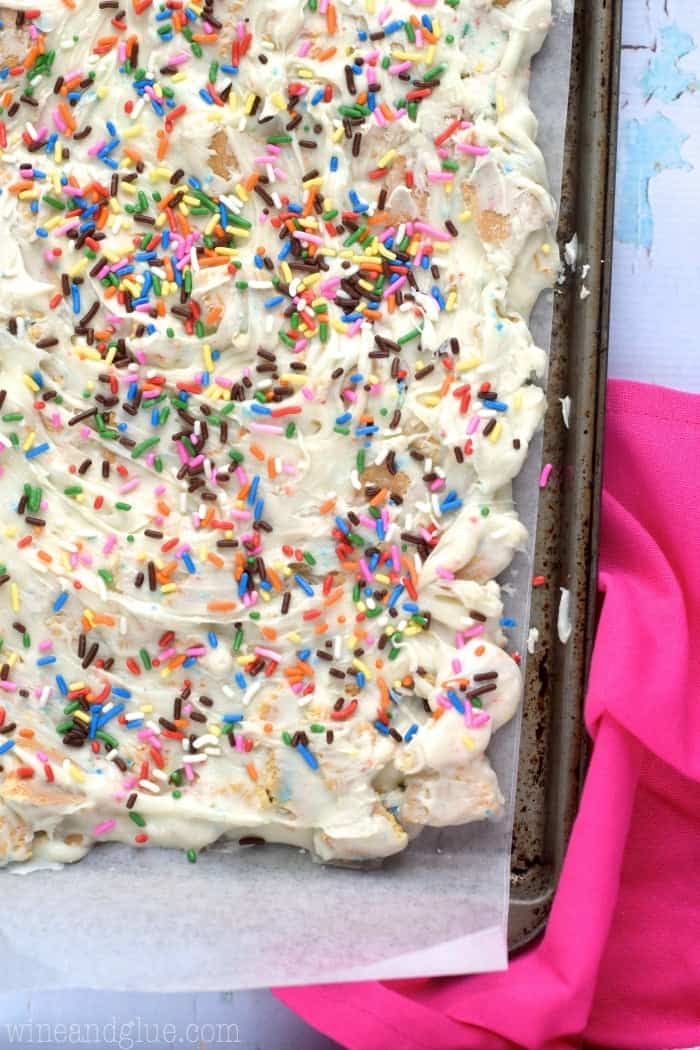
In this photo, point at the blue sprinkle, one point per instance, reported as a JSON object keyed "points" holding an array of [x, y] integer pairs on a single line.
{"points": [[189, 564], [253, 493], [334, 164], [498, 406], [344, 528], [306, 587], [75, 297], [231, 719], [229, 70], [213, 639], [113, 713], [310, 759], [395, 595], [275, 300], [119, 690], [44, 660], [6, 746], [505, 621], [411, 607], [410, 733], [345, 418], [240, 679], [382, 728], [455, 701], [243, 584], [260, 410], [60, 601], [190, 661], [32, 453], [304, 654], [62, 685]]}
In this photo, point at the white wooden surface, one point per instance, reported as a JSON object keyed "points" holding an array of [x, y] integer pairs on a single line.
{"points": [[656, 302]]}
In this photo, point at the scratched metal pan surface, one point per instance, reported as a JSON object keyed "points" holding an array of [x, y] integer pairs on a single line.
{"points": [[553, 744]]}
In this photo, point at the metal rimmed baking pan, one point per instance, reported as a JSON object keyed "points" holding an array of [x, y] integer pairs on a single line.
{"points": [[553, 748]]}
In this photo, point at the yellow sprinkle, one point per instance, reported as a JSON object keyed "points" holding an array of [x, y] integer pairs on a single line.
{"points": [[111, 354], [78, 268], [223, 250], [316, 181], [496, 432], [286, 271], [468, 741], [133, 132], [33, 386], [359, 666], [338, 134], [82, 716], [467, 364], [430, 400], [451, 301], [75, 771], [500, 104], [278, 100], [307, 74], [236, 232], [146, 709], [211, 225], [189, 199], [14, 597], [387, 158], [464, 216], [516, 401], [28, 195], [56, 221], [249, 103], [382, 578], [168, 588], [29, 441], [10, 531], [102, 91], [546, 249], [206, 354], [161, 220], [293, 636]]}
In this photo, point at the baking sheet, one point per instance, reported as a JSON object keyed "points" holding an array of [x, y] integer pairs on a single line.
{"points": [[250, 917]]}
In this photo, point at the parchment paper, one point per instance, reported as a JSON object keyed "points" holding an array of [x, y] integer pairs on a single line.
{"points": [[242, 918]]}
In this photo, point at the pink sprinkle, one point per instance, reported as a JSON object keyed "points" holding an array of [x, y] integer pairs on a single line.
{"points": [[9, 687], [475, 151], [456, 664], [269, 654], [473, 424], [109, 544], [473, 632], [364, 569], [444, 574], [129, 486], [106, 825], [545, 475]]}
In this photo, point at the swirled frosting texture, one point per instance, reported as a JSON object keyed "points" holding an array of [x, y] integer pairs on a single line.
{"points": [[265, 276]]}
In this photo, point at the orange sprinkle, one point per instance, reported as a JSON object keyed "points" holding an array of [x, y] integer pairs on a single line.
{"points": [[256, 451], [327, 506], [26, 733], [215, 560], [251, 771], [331, 19]]}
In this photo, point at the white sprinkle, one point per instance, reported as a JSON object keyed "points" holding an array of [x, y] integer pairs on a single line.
{"points": [[565, 403], [532, 639]]}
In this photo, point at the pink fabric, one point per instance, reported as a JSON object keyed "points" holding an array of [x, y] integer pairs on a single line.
{"points": [[619, 964]]}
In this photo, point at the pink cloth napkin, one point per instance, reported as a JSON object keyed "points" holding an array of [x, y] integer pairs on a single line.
{"points": [[619, 963]]}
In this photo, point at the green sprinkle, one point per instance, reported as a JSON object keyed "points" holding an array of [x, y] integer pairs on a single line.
{"points": [[137, 819], [192, 856]]}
